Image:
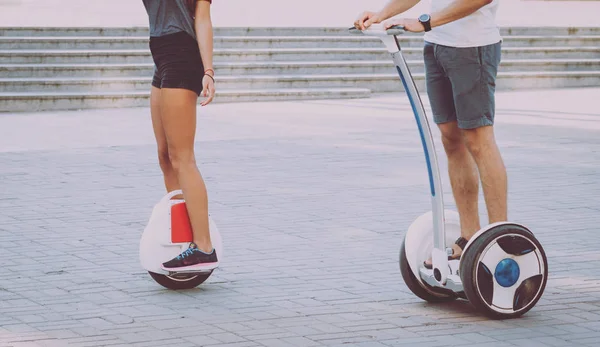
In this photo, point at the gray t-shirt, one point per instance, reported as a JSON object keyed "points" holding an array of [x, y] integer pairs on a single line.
{"points": [[170, 16]]}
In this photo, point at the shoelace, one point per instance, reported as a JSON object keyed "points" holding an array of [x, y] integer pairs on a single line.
{"points": [[187, 252]]}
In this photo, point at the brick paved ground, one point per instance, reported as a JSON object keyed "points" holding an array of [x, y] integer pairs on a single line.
{"points": [[312, 199]]}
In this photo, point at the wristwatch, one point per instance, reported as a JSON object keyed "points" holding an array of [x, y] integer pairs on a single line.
{"points": [[425, 19]]}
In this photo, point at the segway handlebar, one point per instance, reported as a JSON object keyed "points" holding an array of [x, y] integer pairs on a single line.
{"points": [[378, 30]]}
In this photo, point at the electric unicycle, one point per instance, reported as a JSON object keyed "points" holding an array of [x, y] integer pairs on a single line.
{"points": [[167, 234], [503, 269]]}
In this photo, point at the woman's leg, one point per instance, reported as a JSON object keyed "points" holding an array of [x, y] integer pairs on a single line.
{"points": [[170, 176], [178, 118]]}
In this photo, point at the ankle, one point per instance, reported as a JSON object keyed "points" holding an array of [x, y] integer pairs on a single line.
{"points": [[467, 232], [204, 247], [498, 219]]}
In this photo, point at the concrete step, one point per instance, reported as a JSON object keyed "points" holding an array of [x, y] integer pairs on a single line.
{"points": [[78, 70], [43, 101], [390, 82], [375, 82], [277, 68], [73, 31], [267, 31], [269, 42], [281, 54], [251, 42], [70, 68], [32, 101]]}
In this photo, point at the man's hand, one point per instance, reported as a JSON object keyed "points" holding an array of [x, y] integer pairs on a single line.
{"points": [[366, 19], [412, 25], [392, 8]]}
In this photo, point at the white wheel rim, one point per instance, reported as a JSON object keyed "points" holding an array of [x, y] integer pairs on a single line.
{"points": [[530, 265]]}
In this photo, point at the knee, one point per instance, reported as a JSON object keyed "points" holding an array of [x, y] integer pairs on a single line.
{"points": [[453, 144], [452, 139], [181, 160], [478, 140], [163, 159]]}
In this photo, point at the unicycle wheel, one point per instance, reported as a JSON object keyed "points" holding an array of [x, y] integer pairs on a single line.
{"points": [[180, 281], [504, 271]]}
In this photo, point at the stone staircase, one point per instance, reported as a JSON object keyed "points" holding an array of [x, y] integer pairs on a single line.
{"points": [[74, 68]]}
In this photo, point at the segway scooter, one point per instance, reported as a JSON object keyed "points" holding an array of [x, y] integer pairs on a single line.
{"points": [[503, 268], [167, 234]]}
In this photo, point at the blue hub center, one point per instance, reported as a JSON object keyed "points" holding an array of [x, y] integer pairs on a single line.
{"points": [[507, 273]]}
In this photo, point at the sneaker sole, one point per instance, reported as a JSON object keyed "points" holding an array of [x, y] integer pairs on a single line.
{"points": [[193, 268]]}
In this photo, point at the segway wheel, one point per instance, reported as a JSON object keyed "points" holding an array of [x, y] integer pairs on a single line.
{"points": [[504, 271], [180, 281], [421, 289]]}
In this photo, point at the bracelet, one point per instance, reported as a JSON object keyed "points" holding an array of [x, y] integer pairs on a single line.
{"points": [[212, 78], [213, 71]]}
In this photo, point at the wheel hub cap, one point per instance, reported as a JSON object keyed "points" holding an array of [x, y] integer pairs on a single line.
{"points": [[507, 273]]}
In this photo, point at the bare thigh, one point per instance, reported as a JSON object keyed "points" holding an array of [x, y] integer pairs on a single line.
{"points": [[159, 131], [178, 122]]}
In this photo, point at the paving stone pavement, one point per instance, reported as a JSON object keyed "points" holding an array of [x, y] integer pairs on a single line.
{"points": [[312, 199]]}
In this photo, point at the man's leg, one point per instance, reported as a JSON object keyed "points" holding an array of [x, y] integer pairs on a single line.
{"points": [[464, 179], [473, 74], [461, 167], [482, 145]]}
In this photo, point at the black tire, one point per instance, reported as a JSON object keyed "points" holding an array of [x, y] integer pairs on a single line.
{"points": [[180, 281], [469, 265], [423, 291]]}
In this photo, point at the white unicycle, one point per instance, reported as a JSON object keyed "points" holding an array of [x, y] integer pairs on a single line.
{"points": [[503, 268], [167, 235]]}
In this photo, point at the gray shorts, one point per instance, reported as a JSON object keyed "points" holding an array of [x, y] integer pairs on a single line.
{"points": [[461, 83]]}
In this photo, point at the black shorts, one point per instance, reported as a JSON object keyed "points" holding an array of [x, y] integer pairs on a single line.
{"points": [[177, 62]]}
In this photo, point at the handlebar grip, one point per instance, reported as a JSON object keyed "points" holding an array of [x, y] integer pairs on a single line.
{"points": [[395, 30], [355, 31]]}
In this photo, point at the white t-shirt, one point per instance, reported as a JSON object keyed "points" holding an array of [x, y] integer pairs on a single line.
{"points": [[476, 29]]}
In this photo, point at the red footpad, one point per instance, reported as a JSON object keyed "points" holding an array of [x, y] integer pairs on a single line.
{"points": [[181, 228]]}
